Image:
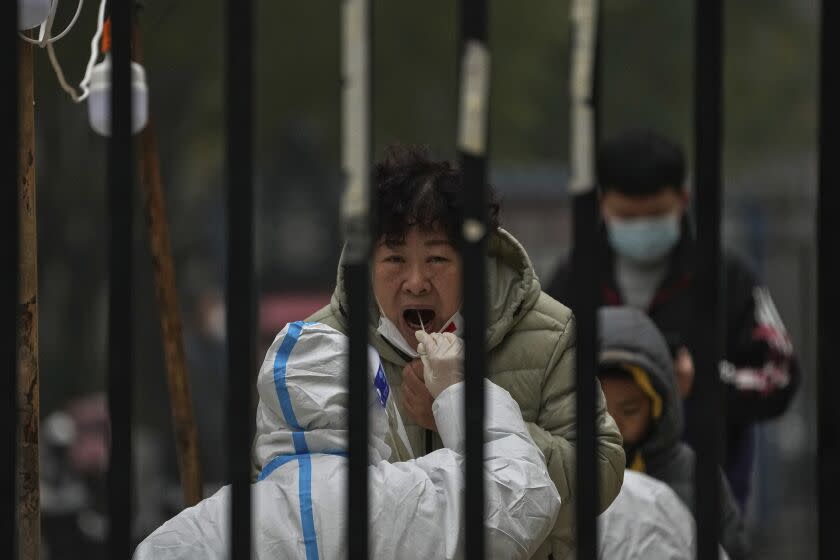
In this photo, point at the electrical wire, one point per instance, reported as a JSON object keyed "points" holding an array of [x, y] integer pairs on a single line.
{"points": [[45, 36], [94, 54], [94, 50], [67, 29], [59, 73]]}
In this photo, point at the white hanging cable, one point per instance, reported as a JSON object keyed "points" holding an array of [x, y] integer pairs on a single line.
{"points": [[45, 28], [94, 54], [70, 25], [60, 74], [45, 34], [94, 50]]}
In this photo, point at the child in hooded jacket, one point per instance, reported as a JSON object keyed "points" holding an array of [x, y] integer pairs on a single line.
{"points": [[636, 372]]}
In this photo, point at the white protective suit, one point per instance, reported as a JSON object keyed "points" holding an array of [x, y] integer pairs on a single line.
{"points": [[416, 506], [647, 521]]}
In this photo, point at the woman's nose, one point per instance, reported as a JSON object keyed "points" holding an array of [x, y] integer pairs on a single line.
{"points": [[417, 281]]}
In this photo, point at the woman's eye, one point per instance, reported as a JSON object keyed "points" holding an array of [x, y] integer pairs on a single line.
{"points": [[437, 259], [394, 259]]}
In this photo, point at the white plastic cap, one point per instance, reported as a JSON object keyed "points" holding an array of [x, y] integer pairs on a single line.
{"points": [[99, 100], [32, 13]]}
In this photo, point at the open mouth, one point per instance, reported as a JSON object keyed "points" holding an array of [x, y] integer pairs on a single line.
{"points": [[413, 318]]}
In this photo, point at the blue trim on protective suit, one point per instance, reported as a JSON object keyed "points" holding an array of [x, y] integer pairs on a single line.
{"points": [[307, 520], [280, 361], [300, 442], [275, 464], [281, 460]]}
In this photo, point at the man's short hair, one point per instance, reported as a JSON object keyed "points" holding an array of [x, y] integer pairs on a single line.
{"points": [[640, 163], [412, 189]]}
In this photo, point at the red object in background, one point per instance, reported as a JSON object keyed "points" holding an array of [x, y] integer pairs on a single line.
{"points": [[105, 45], [278, 309]]}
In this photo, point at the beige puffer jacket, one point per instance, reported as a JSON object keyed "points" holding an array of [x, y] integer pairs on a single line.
{"points": [[531, 340]]}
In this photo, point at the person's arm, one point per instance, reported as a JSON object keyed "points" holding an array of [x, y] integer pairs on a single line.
{"points": [[760, 370], [555, 435], [419, 512], [733, 535]]}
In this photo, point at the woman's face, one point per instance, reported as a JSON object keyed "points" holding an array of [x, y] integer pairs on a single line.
{"points": [[420, 277]]}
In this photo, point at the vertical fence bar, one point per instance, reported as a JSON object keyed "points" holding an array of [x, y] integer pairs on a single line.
{"points": [[355, 215], [8, 334], [585, 296], [828, 278], [708, 330], [241, 301], [120, 252], [472, 151]]}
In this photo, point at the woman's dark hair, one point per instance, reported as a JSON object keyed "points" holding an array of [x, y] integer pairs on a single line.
{"points": [[640, 163], [412, 189]]}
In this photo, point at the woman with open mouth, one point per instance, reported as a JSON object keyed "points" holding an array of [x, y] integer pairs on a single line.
{"points": [[416, 277]]}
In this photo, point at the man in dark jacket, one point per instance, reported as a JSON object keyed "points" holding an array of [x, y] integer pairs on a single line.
{"points": [[649, 264], [636, 374]]}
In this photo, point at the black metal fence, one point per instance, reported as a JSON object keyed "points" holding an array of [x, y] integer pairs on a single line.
{"points": [[828, 280], [241, 287], [472, 144], [708, 329], [121, 193]]}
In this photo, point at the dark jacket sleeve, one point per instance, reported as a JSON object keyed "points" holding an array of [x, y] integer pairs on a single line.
{"points": [[733, 536], [760, 370]]}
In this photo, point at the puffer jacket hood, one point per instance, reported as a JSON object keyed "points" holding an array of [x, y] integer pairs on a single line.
{"points": [[513, 288], [628, 336]]}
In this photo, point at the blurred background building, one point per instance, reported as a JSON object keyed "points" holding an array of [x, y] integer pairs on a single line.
{"points": [[769, 177]]}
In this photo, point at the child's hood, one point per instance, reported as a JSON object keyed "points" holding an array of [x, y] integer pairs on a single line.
{"points": [[629, 337]]}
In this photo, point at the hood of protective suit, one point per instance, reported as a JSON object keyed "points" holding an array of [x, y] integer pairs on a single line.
{"points": [[629, 337], [513, 289], [302, 386]]}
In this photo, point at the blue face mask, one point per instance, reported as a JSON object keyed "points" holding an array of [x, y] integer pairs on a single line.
{"points": [[644, 240]]}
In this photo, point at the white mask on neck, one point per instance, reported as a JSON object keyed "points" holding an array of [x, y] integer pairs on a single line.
{"points": [[392, 334]]}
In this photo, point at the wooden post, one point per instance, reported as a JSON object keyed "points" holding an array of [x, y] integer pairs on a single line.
{"points": [[28, 383], [160, 246]]}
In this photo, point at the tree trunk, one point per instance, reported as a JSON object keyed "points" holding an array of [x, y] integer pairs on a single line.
{"points": [[28, 383]]}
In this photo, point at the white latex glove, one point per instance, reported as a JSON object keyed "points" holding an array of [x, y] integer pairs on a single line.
{"points": [[442, 355]]}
